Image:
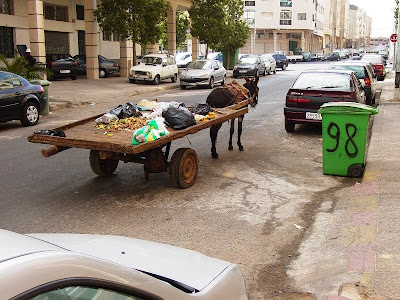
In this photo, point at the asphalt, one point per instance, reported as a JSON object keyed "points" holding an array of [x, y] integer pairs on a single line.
{"points": [[373, 203]]}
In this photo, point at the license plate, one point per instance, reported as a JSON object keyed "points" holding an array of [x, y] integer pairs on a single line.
{"points": [[65, 71], [313, 116], [242, 71], [191, 84]]}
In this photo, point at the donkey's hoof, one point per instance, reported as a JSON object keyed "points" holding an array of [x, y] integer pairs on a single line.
{"points": [[230, 148], [214, 155], [241, 148]]}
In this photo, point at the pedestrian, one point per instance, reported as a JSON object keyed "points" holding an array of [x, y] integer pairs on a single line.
{"points": [[31, 60]]}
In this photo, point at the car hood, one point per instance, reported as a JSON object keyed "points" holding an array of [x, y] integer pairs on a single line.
{"points": [[182, 265], [246, 65], [145, 68], [196, 73]]}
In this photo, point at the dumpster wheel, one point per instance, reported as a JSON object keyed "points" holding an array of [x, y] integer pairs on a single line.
{"points": [[355, 170]]}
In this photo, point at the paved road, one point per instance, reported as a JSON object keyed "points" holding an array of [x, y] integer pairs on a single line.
{"points": [[252, 208]]}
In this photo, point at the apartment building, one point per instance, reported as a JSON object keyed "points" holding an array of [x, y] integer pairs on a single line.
{"points": [[68, 27], [284, 25], [359, 28]]}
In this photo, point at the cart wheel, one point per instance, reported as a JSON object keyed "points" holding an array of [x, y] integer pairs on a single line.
{"points": [[183, 168], [102, 167], [355, 171]]}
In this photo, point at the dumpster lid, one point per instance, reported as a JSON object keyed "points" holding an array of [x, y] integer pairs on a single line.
{"points": [[347, 107], [39, 81]]}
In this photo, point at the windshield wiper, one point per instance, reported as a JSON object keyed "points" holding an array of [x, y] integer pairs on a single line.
{"points": [[331, 86]]}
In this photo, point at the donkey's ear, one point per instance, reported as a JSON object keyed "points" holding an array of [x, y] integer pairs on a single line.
{"points": [[257, 78], [245, 78]]}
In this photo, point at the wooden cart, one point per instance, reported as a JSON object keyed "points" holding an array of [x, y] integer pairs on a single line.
{"points": [[107, 151]]}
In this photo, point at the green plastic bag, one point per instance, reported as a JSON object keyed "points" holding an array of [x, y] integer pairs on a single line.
{"points": [[152, 131]]}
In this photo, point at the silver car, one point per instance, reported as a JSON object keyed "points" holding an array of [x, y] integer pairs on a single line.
{"points": [[81, 266], [203, 72]]}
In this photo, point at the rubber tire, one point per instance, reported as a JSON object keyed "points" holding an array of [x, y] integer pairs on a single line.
{"points": [[156, 80], [103, 73], [355, 171], [132, 80], [183, 87], [275, 71], [223, 80], [289, 126], [183, 168], [74, 77], [211, 84], [102, 167], [265, 72], [284, 67], [174, 78], [30, 108]]}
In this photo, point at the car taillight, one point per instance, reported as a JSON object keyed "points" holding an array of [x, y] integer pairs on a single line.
{"points": [[299, 100], [367, 81], [296, 99], [51, 64], [41, 89]]}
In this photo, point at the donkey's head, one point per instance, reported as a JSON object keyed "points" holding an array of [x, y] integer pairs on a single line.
{"points": [[251, 85]]}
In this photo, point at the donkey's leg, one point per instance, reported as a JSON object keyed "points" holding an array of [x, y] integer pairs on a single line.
{"points": [[230, 147], [213, 134], [240, 122]]}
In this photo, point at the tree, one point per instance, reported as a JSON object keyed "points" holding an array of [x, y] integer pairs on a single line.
{"points": [[219, 24], [182, 26], [138, 20]]}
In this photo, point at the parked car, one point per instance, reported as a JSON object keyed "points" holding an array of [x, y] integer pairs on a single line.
{"points": [[20, 100], [270, 63], [250, 65], [313, 88], [154, 68], [183, 59], [203, 72], [318, 57], [62, 66], [215, 55], [378, 63], [281, 60], [364, 72], [333, 56], [106, 66], [84, 266]]}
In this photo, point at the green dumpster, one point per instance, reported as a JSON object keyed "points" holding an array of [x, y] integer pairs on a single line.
{"points": [[344, 136], [45, 84]]}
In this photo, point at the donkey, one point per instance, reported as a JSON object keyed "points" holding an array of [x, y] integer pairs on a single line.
{"points": [[221, 97]]}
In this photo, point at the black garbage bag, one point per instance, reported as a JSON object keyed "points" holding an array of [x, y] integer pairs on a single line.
{"points": [[51, 132], [126, 111], [178, 117], [201, 109]]}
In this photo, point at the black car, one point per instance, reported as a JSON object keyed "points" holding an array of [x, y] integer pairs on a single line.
{"points": [[249, 65], [106, 66], [20, 100], [62, 66], [333, 56], [281, 61]]}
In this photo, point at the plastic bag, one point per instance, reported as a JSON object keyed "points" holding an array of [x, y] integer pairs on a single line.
{"points": [[201, 109], [107, 118], [179, 117], [152, 131], [125, 111]]}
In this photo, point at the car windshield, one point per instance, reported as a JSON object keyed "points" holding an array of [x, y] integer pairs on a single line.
{"points": [[200, 64], [322, 81], [152, 60], [247, 60], [358, 70]]}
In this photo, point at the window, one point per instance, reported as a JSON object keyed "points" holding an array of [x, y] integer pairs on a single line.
{"points": [[301, 16], [55, 12], [286, 3], [249, 3], [106, 36], [249, 16], [7, 7], [7, 41], [80, 12], [260, 35], [286, 17], [116, 37]]}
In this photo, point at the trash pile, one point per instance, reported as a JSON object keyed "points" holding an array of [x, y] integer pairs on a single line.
{"points": [[148, 119]]}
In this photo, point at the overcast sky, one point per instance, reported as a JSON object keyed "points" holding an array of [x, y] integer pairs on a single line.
{"points": [[382, 14]]}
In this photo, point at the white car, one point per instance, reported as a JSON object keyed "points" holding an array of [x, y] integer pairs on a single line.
{"points": [[183, 59], [154, 68], [82, 266], [270, 63], [203, 72]]}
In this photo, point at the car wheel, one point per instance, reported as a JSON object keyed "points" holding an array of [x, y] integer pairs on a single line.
{"points": [[183, 87], [284, 67], [132, 80], [355, 171], [289, 126], [211, 84], [156, 80], [223, 80], [103, 73], [74, 77], [173, 78], [373, 101], [30, 114], [275, 70]]}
